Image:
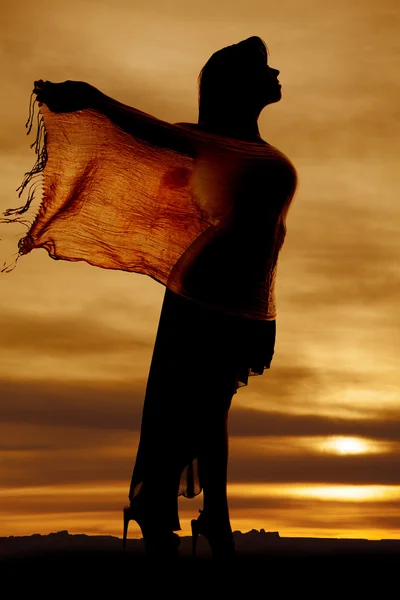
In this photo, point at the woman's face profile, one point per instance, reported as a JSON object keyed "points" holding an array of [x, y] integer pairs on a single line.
{"points": [[266, 80], [258, 82]]}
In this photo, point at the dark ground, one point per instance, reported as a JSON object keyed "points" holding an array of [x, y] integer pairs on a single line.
{"points": [[284, 571]]}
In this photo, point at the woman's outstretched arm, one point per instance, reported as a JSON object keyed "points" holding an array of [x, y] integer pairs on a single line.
{"points": [[70, 96], [146, 127]]}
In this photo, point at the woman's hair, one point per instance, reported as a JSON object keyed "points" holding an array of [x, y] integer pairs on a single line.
{"points": [[224, 80]]}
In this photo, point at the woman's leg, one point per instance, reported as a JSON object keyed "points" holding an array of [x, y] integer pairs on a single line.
{"points": [[156, 475], [213, 466], [214, 521]]}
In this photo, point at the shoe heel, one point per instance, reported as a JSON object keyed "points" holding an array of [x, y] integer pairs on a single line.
{"points": [[126, 518], [195, 533]]}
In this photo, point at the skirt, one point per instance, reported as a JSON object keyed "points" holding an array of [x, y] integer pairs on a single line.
{"points": [[201, 357]]}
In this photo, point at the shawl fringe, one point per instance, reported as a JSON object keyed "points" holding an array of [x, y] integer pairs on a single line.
{"points": [[32, 180]]}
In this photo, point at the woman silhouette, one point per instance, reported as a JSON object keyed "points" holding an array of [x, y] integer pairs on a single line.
{"points": [[203, 354]]}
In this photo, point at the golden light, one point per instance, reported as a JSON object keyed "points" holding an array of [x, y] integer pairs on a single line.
{"points": [[97, 509], [344, 493], [300, 445], [348, 493], [347, 445]]}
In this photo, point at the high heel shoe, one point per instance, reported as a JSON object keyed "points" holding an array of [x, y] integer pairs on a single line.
{"points": [[158, 541], [219, 537]]}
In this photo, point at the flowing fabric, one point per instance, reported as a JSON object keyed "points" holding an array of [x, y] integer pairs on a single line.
{"points": [[202, 214]]}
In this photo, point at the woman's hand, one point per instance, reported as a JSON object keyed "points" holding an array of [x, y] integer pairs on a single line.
{"points": [[67, 96]]}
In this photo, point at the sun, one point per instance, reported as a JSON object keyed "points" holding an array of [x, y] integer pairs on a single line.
{"points": [[346, 445]]}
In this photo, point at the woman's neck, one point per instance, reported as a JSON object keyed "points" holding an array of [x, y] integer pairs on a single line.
{"points": [[240, 129]]}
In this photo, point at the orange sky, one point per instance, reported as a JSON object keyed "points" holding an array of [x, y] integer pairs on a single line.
{"points": [[315, 442]]}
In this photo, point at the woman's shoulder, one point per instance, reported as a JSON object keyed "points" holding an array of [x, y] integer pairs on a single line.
{"points": [[259, 153], [192, 126]]}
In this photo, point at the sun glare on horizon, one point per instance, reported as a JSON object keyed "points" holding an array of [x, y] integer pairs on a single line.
{"points": [[348, 445]]}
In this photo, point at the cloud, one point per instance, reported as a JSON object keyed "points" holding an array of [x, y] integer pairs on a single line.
{"points": [[94, 465], [369, 469], [67, 406], [89, 434], [251, 423], [65, 335], [119, 407]]}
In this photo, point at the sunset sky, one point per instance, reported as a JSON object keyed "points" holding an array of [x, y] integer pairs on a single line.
{"points": [[315, 441]]}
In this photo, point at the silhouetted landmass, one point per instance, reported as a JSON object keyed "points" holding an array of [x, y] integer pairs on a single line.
{"points": [[265, 562], [253, 543]]}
